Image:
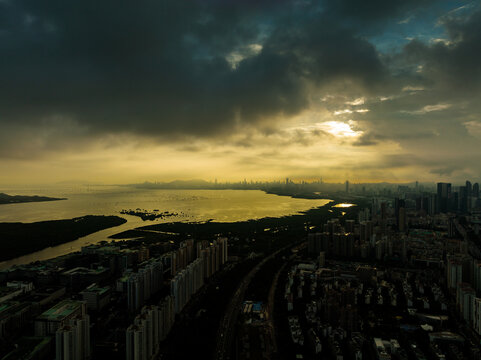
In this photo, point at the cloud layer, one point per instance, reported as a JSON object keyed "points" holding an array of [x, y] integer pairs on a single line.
{"points": [[94, 75]]}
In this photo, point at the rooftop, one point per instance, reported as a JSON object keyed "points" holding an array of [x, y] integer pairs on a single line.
{"points": [[83, 270], [61, 311], [96, 289]]}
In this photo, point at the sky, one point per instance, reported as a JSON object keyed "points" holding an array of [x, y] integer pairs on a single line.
{"points": [[118, 91]]}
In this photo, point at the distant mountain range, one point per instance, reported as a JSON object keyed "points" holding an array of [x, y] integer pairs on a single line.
{"points": [[16, 199], [177, 184]]}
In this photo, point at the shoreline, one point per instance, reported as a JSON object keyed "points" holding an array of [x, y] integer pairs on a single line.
{"points": [[210, 228], [24, 239], [117, 232]]}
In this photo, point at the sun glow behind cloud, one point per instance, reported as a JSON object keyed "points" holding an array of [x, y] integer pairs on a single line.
{"points": [[240, 93], [340, 112], [340, 129], [356, 102]]}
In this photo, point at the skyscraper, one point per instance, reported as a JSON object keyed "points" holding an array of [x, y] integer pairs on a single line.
{"points": [[444, 197], [135, 292], [469, 188], [402, 219], [475, 190], [398, 205], [463, 199], [73, 339]]}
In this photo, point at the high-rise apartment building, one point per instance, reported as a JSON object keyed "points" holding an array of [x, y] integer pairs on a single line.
{"points": [[465, 296], [135, 292], [454, 272], [186, 283], [144, 283], [477, 315], [150, 327], [72, 339]]}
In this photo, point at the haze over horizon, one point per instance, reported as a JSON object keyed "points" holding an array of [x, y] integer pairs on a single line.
{"points": [[122, 92], [218, 183]]}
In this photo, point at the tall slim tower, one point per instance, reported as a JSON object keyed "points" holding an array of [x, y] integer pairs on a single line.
{"points": [[469, 188], [476, 190], [444, 197], [347, 186]]}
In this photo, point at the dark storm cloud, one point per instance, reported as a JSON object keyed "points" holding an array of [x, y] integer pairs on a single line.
{"points": [[179, 70], [454, 64], [370, 12], [439, 89], [159, 67]]}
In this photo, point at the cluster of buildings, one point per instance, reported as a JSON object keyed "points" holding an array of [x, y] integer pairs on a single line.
{"points": [[78, 303], [408, 267], [153, 324], [402, 280], [332, 309], [461, 199], [186, 282]]}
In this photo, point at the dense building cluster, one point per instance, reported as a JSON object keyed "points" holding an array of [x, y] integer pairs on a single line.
{"points": [[398, 278], [406, 274], [81, 303]]}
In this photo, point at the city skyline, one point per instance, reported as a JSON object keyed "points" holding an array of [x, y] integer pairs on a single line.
{"points": [[369, 91], [240, 179]]}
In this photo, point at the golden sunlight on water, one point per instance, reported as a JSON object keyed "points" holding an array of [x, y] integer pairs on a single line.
{"points": [[191, 205], [344, 205]]}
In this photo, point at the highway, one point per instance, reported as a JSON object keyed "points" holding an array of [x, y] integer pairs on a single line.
{"points": [[227, 326], [270, 306]]}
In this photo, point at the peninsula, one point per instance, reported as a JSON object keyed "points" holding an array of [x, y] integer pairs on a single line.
{"points": [[17, 199], [24, 238]]}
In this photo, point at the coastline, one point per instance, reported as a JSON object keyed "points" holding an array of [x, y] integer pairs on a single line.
{"points": [[207, 229], [131, 230], [21, 239]]}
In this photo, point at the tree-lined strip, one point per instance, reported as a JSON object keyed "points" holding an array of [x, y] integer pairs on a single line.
{"points": [[17, 239]]}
